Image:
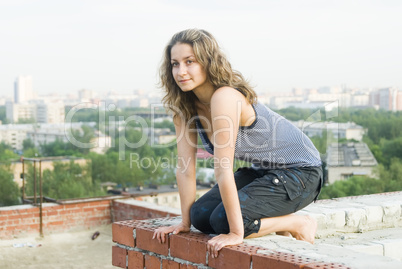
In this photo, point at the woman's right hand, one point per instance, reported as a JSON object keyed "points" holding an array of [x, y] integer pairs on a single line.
{"points": [[175, 229]]}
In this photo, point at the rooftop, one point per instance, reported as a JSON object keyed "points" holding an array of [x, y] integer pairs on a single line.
{"points": [[350, 154], [353, 232], [327, 125], [74, 250], [151, 190], [32, 126]]}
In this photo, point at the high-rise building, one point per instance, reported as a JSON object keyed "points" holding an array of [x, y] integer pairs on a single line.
{"points": [[50, 112], [23, 90], [399, 101], [40, 112], [85, 95], [386, 98], [19, 111]]}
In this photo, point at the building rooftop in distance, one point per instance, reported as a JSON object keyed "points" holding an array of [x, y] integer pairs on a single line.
{"points": [[339, 130], [151, 190], [350, 154], [327, 125]]}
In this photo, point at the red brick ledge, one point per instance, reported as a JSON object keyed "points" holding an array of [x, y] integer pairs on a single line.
{"points": [[135, 248]]}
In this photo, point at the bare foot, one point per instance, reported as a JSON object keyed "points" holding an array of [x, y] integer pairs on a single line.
{"points": [[307, 229], [288, 234]]}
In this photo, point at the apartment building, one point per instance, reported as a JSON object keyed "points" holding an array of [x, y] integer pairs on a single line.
{"points": [[349, 159]]}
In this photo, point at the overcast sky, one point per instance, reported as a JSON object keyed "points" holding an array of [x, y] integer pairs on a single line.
{"points": [[277, 44]]}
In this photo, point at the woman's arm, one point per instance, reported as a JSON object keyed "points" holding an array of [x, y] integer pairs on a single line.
{"points": [[186, 167], [226, 112], [185, 177]]}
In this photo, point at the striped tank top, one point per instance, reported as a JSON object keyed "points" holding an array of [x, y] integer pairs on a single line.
{"points": [[270, 142]]}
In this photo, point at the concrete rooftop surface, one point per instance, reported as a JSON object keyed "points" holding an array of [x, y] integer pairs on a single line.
{"points": [[72, 250]]}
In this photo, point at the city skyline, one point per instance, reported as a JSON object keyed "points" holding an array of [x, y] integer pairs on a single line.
{"points": [[103, 46]]}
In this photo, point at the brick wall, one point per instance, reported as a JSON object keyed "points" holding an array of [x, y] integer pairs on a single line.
{"points": [[336, 246], [135, 248], [23, 220], [130, 209]]}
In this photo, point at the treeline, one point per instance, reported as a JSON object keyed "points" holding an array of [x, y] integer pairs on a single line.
{"points": [[65, 181], [127, 166], [383, 137], [135, 166], [389, 179], [384, 128], [91, 115]]}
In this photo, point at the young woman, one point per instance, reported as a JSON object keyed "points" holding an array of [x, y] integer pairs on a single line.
{"points": [[209, 98]]}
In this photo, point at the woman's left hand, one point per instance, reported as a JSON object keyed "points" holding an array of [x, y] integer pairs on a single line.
{"points": [[218, 242]]}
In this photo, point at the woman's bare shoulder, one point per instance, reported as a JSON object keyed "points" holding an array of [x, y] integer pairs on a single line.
{"points": [[227, 94]]}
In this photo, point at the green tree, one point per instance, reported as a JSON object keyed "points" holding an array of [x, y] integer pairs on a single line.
{"points": [[356, 185], [295, 114], [390, 179], [65, 181], [142, 164], [3, 117], [6, 152], [380, 124], [26, 121], [87, 134], [9, 191], [84, 115], [29, 149], [391, 149], [392, 175], [165, 124], [59, 148], [376, 150], [103, 167]]}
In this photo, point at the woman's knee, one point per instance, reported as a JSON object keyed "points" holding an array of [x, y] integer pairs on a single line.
{"points": [[219, 222], [199, 218], [194, 216]]}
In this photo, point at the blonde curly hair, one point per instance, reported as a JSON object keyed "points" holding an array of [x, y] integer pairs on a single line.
{"points": [[210, 56]]}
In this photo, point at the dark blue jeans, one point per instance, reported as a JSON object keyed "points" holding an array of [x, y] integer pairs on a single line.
{"points": [[262, 194]]}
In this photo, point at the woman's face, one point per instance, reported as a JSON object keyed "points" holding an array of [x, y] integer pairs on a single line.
{"points": [[187, 72]]}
